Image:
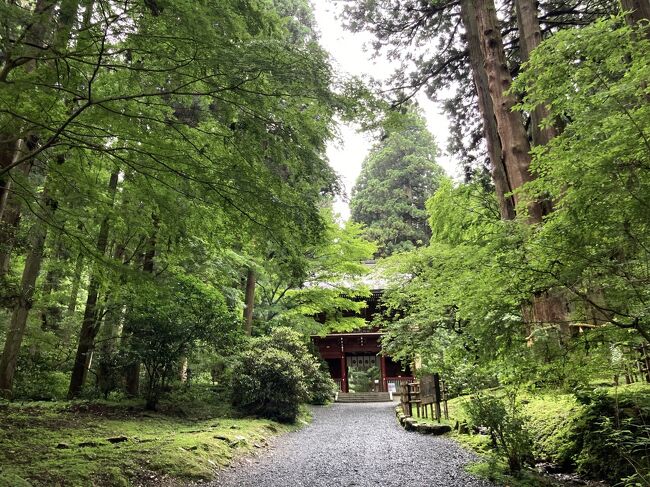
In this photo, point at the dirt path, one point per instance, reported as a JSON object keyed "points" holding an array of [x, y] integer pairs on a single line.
{"points": [[355, 445]]}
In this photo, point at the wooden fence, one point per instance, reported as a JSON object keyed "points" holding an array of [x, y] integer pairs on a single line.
{"points": [[428, 393]]}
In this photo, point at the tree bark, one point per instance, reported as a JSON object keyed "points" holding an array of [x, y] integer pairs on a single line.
{"points": [[8, 228], [530, 36], [490, 133], [514, 139], [24, 302], [639, 12], [76, 283], [249, 301], [12, 145], [132, 372], [90, 323]]}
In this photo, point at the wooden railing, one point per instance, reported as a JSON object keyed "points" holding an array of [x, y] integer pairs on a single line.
{"points": [[398, 381]]}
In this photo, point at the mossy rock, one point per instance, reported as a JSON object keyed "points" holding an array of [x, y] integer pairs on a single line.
{"points": [[12, 480]]}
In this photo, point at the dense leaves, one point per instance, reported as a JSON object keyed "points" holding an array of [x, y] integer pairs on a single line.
{"points": [[276, 374], [150, 153], [396, 179]]}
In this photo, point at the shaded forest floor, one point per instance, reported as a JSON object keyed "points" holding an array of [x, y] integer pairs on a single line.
{"points": [[121, 444]]}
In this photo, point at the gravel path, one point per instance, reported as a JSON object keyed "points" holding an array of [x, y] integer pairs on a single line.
{"points": [[355, 445]]}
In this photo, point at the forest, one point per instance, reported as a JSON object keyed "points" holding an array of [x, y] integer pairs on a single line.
{"points": [[169, 244]]}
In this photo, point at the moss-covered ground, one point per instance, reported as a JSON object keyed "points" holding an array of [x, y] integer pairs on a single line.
{"points": [[120, 444], [557, 421]]}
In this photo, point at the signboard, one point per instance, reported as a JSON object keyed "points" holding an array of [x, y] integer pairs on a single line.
{"points": [[430, 389], [392, 387]]}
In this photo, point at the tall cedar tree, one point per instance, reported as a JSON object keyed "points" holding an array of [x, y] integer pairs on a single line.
{"points": [[396, 179]]}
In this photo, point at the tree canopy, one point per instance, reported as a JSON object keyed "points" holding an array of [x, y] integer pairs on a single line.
{"points": [[396, 179]]}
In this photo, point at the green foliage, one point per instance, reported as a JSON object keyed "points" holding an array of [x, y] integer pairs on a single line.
{"points": [[175, 317], [316, 290], [595, 244], [396, 179], [43, 385], [613, 438], [506, 424], [214, 118], [268, 383], [276, 374], [363, 380], [321, 386]]}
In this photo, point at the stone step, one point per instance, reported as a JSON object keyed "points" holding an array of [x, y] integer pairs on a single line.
{"points": [[363, 397]]}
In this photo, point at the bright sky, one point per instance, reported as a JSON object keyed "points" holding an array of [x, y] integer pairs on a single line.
{"points": [[349, 55]]}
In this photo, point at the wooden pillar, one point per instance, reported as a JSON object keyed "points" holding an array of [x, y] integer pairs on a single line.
{"points": [[382, 371], [344, 374]]}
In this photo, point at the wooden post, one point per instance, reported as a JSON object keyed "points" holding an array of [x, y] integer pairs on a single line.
{"points": [[344, 374], [444, 399], [249, 301], [436, 385], [382, 371]]}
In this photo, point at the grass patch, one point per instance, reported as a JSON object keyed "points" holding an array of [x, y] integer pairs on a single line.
{"points": [[67, 444]]}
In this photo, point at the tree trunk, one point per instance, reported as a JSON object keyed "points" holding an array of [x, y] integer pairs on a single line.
{"points": [[8, 229], [514, 139], [132, 373], [182, 373], [90, 323], [490, 133], [530, 36], [639, 12], [10, 220], [24, 303], [76, 283], [249, 301], [12, 148]]}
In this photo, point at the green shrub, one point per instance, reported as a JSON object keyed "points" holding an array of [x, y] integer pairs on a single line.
{"points": [[42, 386], [321, 387], [268, 382], [505, 422], [276, 374], [613, 437], [552, 419], [359, 381]]}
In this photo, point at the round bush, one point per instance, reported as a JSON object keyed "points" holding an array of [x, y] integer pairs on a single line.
{"points": [[268, 383]]}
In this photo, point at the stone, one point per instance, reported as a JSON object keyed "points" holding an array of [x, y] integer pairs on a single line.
{"points": [[88, 444], [437, 429], [410, 424], [463, 429], [62, 446], [238, 440], [117, 439], [221, 437], [235, 427]]}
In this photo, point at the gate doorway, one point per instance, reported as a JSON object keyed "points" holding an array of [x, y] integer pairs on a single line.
{"points": [[363, 371]]}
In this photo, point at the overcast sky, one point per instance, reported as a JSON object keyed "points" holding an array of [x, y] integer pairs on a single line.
{"points": [[349, 56]]}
